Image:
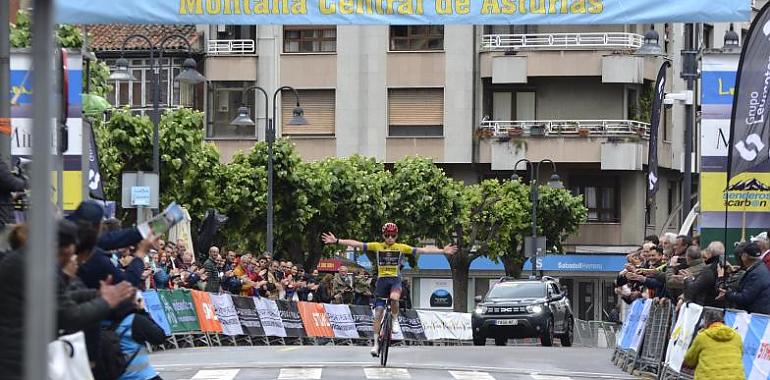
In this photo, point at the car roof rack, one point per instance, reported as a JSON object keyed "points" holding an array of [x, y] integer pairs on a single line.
{"points": [[549, 278]]}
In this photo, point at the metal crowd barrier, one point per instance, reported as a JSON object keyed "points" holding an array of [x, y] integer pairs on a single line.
{"points": [[595, 334]]}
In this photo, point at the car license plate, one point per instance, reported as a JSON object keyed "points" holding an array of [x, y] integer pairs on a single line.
{"points": [[507, 322]]}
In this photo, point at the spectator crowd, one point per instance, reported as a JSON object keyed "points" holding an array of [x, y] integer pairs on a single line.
{"points": [[102, 266]]}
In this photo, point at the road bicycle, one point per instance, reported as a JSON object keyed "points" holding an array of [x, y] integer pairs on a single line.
{"points": [[386, 333]]}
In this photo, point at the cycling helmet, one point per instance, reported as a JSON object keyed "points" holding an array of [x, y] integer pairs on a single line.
{"points": [[390, 228]]}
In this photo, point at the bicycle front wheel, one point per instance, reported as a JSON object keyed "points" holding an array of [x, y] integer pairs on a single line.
{"points": [[385, 331]]}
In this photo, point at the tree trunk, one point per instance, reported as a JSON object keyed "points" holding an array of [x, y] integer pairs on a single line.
{"points": [[510, 261], [460, 264]]}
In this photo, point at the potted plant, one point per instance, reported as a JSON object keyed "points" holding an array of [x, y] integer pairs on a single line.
{"points": [[515, 131], [584, 132]]}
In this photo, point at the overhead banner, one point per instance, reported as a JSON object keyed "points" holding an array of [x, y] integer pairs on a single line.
{"points": [[207, 317], [180, 310], [341, 321], [315, 319], [682, 335], [749, 143], [270, 317], [364, 320], [292, 321], [247, 315], [227, 315], [155, 308], [400, 12]]}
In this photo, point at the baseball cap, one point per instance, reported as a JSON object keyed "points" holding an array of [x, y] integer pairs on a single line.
{"points": [[88, 211], [761, 236]]}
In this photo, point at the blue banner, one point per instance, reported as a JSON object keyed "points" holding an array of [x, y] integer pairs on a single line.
{"points": [[155, 308], [400, 12]]}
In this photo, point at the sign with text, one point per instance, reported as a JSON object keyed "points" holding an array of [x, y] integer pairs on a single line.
{"points": [[400, 12]]}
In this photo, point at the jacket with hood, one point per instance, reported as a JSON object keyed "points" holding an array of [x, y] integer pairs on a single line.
{"points": [[716, 353], [753, 294]]}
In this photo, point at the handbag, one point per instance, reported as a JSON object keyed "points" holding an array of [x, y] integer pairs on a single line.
{"points": [[68, 358]]}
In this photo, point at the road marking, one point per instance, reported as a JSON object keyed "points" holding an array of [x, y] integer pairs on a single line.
{"points": [[387, 373], [471, 375], [216, 374], [300, 373], [287, 349], [537, 376]]}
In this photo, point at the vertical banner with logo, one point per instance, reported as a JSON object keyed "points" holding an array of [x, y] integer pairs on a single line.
{"points": [[292, 321], [270, 317], [749, 145], [364, 320], [180, 310], [226, 313], [652, 157], [207, 316], [246, 310], [315, 319], [411, 326], [342, 321], [154, 307], [95, 185], [747, 196], [682, 335], [436, 293]]}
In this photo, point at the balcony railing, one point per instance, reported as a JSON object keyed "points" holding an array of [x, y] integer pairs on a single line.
{"points": [[230, 47], [563, 41], [566, 128]]}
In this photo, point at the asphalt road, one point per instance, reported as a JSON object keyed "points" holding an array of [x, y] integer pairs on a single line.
{"points": [[413, 362]]}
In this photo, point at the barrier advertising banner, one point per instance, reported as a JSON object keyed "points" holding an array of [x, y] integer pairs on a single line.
{"points": [[292, 321], [270, 317], [411, 326], [458, 325], [432, 325], [341, 321], [315, 320], [683, 334], [207, 317], [364, 320], [180, 310], [247, 316], [756, 348], [226, 313], [480, 12], [633, 328], [155, 309]]}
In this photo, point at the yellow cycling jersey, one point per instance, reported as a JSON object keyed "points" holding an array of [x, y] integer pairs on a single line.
{"points": [[389, 257]]}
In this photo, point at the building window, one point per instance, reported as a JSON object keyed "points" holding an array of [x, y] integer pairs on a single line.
{"points": [[415, 112], [309, 39], [138, 95], [318, 107], [708, 36], [416, 37], [601, 195], [225, 99]]}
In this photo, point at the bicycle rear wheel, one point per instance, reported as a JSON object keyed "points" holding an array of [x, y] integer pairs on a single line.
{"points": [[385, 332]]}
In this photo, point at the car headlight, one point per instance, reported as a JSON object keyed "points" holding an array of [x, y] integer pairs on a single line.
{"points": [[534, 309], [480, 310]]}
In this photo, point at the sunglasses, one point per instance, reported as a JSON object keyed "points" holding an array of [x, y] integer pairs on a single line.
{"points": [[388, 236]]}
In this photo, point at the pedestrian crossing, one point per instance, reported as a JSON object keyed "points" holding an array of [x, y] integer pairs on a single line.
{"points": [[369, 373]]}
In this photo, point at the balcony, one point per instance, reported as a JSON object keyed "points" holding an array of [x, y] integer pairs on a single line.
{"points": [[615, 144], [562, 41], [566, 128], [230, 47]]}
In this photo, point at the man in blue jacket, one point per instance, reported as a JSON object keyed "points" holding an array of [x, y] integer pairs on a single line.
{"points": [[753, 294], [99, 267]]}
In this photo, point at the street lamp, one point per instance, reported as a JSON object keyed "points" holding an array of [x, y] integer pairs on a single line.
{"points": [[243, 119], [650, 45], [553, 182], [188, 75], [732, 41]]}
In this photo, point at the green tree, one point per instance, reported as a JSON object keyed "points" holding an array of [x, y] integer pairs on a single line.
{"points": [[559, 215], [67, 36]]}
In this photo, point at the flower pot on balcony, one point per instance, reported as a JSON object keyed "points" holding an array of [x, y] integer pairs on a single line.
{"points": [[537, 130], [640, 131], [485, 132], [515, 132], [584, 132]]}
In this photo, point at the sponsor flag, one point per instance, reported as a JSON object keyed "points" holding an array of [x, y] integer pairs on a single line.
{"points": [[682, 335], [226, 313], [207, 317], [652, 157], [290, 316], [247, 315], [179, 309], [749, 145], [95, 185]]}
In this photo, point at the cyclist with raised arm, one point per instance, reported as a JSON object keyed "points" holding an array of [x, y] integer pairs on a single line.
{"points": [[389, 257]]}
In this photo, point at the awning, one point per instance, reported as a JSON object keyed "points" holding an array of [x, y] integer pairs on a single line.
{"points": [[552, 263]]}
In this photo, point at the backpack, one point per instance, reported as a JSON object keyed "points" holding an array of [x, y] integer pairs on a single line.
{"points": [[111, 363]]}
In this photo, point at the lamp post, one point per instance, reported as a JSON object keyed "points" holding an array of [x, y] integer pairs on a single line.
{"points": [[553, 182], [243, 119], [189, 75]]}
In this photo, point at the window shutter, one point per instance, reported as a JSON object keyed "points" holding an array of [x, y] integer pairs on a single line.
{"points": [[318, 106], [416, 106]]}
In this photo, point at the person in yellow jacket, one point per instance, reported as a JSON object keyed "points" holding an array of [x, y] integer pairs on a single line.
{"points": [[717, 351]]}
